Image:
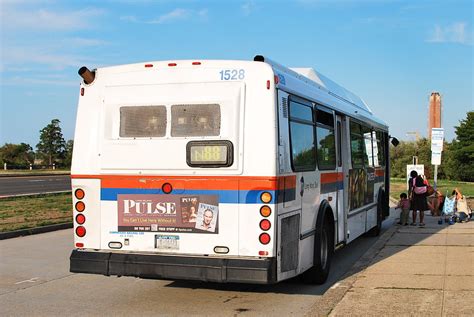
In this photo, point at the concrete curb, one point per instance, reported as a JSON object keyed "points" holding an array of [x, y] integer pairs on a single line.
{"points": [[27, 232], [325, 306]]}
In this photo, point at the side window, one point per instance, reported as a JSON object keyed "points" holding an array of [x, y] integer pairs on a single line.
{"points": [[358, 156], [369, 160], [326, 147], [303, 156], [380, 140], [142, 121]]}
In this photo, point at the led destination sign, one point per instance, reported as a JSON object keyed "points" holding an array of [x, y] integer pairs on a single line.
{"points": [[209, 153]]}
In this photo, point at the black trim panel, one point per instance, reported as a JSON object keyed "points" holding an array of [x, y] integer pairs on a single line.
{"points": [[364, 208], [259, 271], [307, 234]]}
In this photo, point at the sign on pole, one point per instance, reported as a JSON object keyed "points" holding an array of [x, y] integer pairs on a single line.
{"points": [[437, 138], [436, 158], [419, 168]]}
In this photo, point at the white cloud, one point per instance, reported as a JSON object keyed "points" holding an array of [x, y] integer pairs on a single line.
{"points": [[82, 42], [248, 7], [454, 33], [46, 19], [203, 14], [129, 18], [177, 14], [36, 57], [40, 81]]}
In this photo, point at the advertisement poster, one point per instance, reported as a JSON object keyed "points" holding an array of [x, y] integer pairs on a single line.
{"points": [[361, 187], [168, 213], [207, 217]]}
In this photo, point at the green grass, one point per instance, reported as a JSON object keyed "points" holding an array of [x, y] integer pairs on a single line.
{"points": [[398, 186], [32, 172], [34, 211]]}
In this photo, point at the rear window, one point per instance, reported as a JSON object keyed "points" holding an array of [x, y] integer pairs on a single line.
{"points": [[143, 121], [195, 120]]}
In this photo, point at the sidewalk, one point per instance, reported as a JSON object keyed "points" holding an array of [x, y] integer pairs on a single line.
{"points": [[418, 272]]}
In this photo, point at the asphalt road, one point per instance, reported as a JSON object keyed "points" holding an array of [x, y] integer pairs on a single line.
{"points": [[27, 185], [35, 280]]}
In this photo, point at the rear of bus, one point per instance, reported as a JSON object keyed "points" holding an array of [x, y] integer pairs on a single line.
{"points": [[174, 172]]}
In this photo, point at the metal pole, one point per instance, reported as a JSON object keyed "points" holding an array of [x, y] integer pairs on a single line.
{"points": [[435, 177]]}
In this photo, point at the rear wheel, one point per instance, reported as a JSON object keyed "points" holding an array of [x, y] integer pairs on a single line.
{"points": [[323, 252]]}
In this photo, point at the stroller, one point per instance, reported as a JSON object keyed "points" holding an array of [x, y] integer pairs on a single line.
{"points": [[449, 210]]}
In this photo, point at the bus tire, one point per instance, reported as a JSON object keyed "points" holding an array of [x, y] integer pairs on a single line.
{"points": [[375, 231], [323, 251]]}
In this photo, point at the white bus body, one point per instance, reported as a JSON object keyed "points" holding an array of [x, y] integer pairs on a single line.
{"points": [[227, 171]]}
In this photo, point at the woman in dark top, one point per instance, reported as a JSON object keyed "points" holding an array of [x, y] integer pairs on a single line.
{"points": [[418, 200]]}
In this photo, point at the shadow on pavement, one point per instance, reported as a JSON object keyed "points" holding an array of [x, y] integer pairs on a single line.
{"points": [[370, 253]]}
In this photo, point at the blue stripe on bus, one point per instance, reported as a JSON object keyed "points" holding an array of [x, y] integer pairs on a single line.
{"points": [[225, 196], [331, 187]]}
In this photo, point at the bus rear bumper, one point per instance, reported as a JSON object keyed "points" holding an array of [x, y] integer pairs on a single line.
{"points": [[260, 271]]}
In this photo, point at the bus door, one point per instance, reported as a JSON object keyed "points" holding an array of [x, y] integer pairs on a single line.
{"points": [[289, 191], [342, 172], [303, 161]]}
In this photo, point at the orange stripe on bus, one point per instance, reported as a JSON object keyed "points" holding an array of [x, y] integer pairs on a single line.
{"points": [[379, 172], [189, 182], [331, 177]]}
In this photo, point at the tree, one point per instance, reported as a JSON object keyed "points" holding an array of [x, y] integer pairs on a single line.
{"points": [[402, 155], [68, 153], [52, 145], [17, 154], [462, 149]]}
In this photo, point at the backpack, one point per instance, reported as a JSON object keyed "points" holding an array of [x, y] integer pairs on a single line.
{"points": [[418, 190]]}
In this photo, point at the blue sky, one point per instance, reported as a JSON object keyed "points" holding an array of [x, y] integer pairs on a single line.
{"points": [[392, 53]]}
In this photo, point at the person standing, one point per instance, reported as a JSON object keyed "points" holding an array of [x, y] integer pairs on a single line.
{"points": [[418, 197]]}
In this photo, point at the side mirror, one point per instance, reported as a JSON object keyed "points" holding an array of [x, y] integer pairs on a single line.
{"points": [[394, 141]]}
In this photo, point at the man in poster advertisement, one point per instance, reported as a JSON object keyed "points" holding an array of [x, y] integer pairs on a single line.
{"points": [[206, 223]]}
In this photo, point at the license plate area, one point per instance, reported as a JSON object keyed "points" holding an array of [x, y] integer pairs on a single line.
{"points": [[166, 242]]}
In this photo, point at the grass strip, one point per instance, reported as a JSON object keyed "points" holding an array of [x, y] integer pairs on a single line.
{"points": [[34, 211], [7, 173], [398, 186]]}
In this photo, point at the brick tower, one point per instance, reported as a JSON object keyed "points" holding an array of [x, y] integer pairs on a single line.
{"points": [[434, 113]]}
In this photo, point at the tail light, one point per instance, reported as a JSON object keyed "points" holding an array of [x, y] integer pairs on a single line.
{"points": [[264, 238], [265, 224], [167, 188], [80, 206], [80, 219], [80, 231], [79, 193], [265, 211], [266, 197]]}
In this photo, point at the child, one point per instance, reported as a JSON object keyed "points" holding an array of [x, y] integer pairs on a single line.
{"points": [[404, 204]]}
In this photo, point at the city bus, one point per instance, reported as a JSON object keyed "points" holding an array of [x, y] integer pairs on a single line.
{"points": [[222, 171]]}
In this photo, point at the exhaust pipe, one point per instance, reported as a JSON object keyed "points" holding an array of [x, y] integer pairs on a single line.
{"points": [[86, 74]]}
